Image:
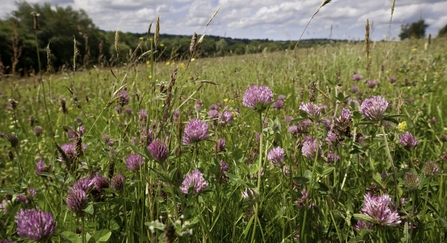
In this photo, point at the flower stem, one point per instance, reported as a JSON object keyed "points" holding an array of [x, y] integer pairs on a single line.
{"points": [[388, 153], [256, 219]]}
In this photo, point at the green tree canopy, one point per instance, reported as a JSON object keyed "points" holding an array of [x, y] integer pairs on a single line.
{"points": [[443, 32], [414, 30]]}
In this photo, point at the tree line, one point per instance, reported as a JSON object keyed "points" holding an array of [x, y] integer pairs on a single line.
{"points": [[52, 38]]}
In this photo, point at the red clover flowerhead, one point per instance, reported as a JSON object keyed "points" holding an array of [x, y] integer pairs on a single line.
{"points": [[276, 156], [374, 108], [257, 97], [408, 140], [35, 225], [158, 150], [378, 208], [194, 179], [77, 200], [134, 161], [195, 131]]}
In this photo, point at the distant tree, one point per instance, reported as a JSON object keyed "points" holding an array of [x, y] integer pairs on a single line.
{"points": [[443, 32], [414, 30]]}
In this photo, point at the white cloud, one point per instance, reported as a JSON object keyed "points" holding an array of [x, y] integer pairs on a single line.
{"points": [[263, 19]]}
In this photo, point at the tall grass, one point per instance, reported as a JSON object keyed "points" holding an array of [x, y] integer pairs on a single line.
{"points": [[304, 200]]}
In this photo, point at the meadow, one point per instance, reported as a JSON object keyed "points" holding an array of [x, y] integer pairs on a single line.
{"points": [[323, 144]]}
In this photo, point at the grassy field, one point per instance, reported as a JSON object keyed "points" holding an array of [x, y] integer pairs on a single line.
{"points": [[111, 153]]}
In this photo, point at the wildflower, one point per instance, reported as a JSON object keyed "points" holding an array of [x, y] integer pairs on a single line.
{"points": [[402, 126], [118, 109], [98, 183], [354, 89], [40, 168], [278, 104], [331, 138], [333, 157], [362, 225], [357, 77], [288, 119], [281, 97], [223, 166], [276, 156], [195, 131], [198, 105], [123, 98], [194, 179], [35, 225], [312, 110], [158, 150], [127, 111], [248, 193], [374, 108], [12, 139], [117, 182], [372, 83], [134, 161], [226, 117], [430, 168], [293, 129], [213, 107], [310, 148], [392, 79], [84, 184], [22, 198], [378, 208], [38, 130], [257, 97], [408, 140], [77, 201], [411, 181], [304, 199], [433, 121], [142, 115], [220, 145]]}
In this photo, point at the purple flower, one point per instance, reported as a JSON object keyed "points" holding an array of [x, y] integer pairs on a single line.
{"points": [[433, 120], [127, 111], [278, 104], [198, 105], [35, 225], [354, 89], [362, 225], [195, 131], [372, 83], [146, 137], [76, 200], [220, 145], [118, 109], [357, 77], [142, 115], [40, 168], [175, 114], [22, 198], [158, 150], [332, 157], [293, 129], [408, 140], [213, 114], [117, 182], [281, 97], [248, 193], [374, 108], [392, 79], [257, 97], [194, 179], [6, 241], [345, 115], [378, 208], [411, 181], [134, 161], [84, 184], [223, 166], [123, 98], [331, 138], [310, 148], [213, 107], [276, 156], [430, 168], [226, 117], [312, 110], [288, 119]]}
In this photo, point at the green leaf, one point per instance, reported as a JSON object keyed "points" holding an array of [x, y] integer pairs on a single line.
{"points": [[101, 235], [327, 171], [69, 236], [363, 217], [89, 209], [301, 180]]}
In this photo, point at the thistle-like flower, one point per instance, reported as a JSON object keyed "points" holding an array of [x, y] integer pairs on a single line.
{"points": [[117, 182], [276, 156], [220, 145], [194, 179], [378, 208], [430, 168], [411, 181], [226, 117], [195, 131], [158, 150], [357, 77], [408, 140], [374, 108], [40, 168], [134, 161], [35, 225], [257, 97]]}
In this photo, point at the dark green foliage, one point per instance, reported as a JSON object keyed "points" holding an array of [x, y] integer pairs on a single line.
{"points": [[443, 32], [414, 30]]}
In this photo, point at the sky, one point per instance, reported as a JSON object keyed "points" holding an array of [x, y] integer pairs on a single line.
{"points": [[258, 19]]}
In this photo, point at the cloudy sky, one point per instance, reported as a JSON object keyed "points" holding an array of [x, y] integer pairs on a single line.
{"points": [[264, 19]]}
